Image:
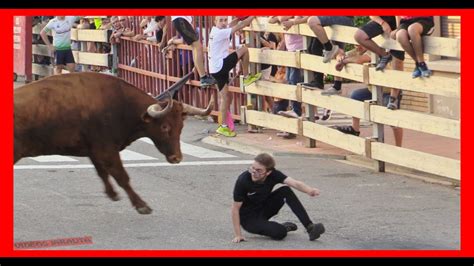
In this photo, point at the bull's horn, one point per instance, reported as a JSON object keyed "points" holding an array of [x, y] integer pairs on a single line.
{"points": [[155, 111], [191, 110]]}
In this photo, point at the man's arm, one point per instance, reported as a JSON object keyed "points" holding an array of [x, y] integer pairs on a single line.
{"points": [[128, 32], [299, 185], [244, 23], [273, 20], [236, 222], [44, 36], [287, 24]]}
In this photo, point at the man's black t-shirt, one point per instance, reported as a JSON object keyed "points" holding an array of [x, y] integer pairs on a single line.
{"points": [[252, 194]]}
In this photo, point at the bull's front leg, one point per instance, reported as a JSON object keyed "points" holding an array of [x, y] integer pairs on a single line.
{"points": [[114, 167]]}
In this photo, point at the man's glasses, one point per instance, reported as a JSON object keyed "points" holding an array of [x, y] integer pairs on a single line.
{"points": [[256, 171]]}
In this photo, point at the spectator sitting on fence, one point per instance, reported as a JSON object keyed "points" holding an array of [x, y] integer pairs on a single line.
{"points": [[360, 55], [409, 34], [221, 62], [377, 26], [255, 202], [119, 29], [61, 47], [317, 24], [183, 26]]}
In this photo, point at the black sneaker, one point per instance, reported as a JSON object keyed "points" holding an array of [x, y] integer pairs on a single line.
{"points": [[315, 231], [207, 81], [348, 130], [392, 103], [290, 226], [313, 85], [384, 60], [326, 115]]}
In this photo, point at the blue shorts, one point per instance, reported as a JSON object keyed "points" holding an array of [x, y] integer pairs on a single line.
{"points": [[64, 57], [365, 94]]}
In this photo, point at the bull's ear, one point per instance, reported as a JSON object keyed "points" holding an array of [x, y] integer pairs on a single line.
{"points": [[146, 117]]}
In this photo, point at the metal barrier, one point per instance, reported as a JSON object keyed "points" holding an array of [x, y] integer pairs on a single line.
{"points": [[142, 64]]}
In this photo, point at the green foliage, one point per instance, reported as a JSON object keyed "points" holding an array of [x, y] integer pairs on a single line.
{"points": [[360, 21]]}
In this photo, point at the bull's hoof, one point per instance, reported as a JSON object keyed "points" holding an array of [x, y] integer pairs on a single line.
{"points": [[144, 210], [115, 198]]}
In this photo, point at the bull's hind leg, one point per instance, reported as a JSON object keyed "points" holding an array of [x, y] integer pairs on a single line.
{"points": [[114, 167], [104, 175]]}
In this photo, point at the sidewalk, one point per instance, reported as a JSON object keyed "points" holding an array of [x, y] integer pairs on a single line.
{"points": [[268, 141]]}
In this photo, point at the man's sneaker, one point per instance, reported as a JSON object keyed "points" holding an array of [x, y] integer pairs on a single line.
{"points": [[328, 55], [384, 60], [416, 73], [326, 115], [286, 135], [313, 85], [252, 78], [331, 91], [225, 131], [207, 81], [348, 130], [290, 226], [425, 72], [289, 113], [392, 103], [315, 231]]}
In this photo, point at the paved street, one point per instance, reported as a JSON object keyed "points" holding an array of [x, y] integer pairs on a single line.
{"points": [[62, 197]]}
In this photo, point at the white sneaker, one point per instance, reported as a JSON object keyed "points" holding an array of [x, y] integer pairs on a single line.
{"points": [[289, 113], [328, 55], [331, 91]]}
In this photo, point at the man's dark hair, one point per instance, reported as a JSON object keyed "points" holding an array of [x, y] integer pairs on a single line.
{"points": [[159, 18], [266, 160]]}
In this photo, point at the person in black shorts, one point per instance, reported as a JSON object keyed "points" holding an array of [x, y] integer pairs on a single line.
{"points": [[410, 34], [183, 26], [221, 62], [377, 26], [255, 202]]}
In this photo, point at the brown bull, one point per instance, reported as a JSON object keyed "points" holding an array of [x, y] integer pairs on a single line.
{"points": [[96, 115]]}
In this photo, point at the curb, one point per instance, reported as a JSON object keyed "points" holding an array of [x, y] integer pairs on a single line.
{"points": [[356, 160], [231, 143], [400, 170]]}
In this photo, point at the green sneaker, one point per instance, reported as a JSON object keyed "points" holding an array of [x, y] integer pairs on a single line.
{"points": [[225, 131], [252, 78]]}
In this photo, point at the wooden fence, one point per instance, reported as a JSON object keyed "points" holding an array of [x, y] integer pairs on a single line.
{"points": [[372, 111]]}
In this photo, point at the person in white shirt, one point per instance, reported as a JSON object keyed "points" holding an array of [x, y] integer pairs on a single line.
{"points": [[61, 47], [221, 62]]}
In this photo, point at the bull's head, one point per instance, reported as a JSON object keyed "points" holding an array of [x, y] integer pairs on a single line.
{"points": [[166, 123]]}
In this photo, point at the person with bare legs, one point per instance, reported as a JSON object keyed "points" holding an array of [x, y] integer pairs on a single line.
{"points": [[221, 62]]}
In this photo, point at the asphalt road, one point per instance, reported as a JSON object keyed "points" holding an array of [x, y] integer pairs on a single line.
{"points": [[57, 198]]}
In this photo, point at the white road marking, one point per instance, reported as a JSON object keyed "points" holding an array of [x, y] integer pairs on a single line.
{"points": [[128, 155], [134, 165], [196, 151], [53, 158]]}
